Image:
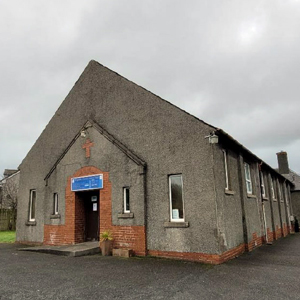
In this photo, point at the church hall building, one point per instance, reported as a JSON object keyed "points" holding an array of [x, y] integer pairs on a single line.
{"points": [[116, 157]]}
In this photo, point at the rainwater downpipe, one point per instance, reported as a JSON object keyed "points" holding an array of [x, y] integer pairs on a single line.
{"points": [[213, 139], [262, 201]]}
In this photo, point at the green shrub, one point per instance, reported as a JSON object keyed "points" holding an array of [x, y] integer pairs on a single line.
{"points": [[106, 236]]}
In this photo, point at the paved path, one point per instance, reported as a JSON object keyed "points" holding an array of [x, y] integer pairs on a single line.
{"points": [[270, 272]]}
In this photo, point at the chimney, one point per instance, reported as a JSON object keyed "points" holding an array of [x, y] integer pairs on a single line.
{"points": [[283, 164], [8, 172]]}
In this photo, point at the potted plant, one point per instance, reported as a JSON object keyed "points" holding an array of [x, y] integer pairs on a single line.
{"points": [[106, 243]]}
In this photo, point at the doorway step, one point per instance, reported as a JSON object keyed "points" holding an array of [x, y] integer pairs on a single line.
{"points": [[87, 248]]}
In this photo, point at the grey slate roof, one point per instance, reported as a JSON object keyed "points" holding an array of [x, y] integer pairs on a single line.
{"points": [[91, 78], [294, 178]]}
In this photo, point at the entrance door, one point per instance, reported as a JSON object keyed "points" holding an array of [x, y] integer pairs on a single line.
{"points": [[91, 208]]}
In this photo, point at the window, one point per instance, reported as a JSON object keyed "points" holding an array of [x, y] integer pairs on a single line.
{"points": [[287, 198], [280, 192], [176, 199], [32, 201], [55, 204], [286, 194], [126, 200], [227, 187], [263, 189], [272, 189], [248, 178]]}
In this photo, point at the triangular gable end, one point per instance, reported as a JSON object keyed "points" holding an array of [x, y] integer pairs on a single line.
{"points": [[108, 136], [95, 76]]}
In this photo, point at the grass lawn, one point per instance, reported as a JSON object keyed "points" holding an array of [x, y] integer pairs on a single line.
{"points": [[7, 236]]}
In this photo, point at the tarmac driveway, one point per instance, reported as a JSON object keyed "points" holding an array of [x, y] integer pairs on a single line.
{"points": [[270, 272]]}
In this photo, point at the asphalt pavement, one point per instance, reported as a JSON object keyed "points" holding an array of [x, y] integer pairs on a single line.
{"points": [[269, 272]]}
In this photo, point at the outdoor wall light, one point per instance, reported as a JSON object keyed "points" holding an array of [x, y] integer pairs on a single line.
{"points": [[212, 138], [83, 133]]}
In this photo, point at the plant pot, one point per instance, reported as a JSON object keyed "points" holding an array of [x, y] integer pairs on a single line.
{"points": [[106, 247]]}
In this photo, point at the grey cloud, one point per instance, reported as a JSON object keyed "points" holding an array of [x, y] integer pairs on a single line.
{"points": [[233, 64]]}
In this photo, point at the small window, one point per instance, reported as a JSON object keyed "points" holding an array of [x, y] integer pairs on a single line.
{"points": [[55, 204], [272, 189], [286, 194], [176, 198], [126, 200], [263, 188], [32, 201], [280, 192], [227, 186], [248, 178]]}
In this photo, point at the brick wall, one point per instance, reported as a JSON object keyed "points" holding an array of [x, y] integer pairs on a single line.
{"points": [[133, 237], [285, 230], [277, 233], [79, 220], [130, 237], [201, 257], [270, 235], [256, 241]]}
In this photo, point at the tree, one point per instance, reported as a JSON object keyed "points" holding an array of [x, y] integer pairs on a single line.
{"points": [[9, 196]]}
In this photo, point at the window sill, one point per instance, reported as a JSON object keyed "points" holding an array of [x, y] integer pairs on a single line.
{"points": [[30, 223], [229, 192], [275, 200], [251, 196], [55, 216], [176, 224], [125, 216], [281, 201], [265, 199]]}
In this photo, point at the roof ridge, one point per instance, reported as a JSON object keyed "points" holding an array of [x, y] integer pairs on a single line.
{"points": [[148, 91]]}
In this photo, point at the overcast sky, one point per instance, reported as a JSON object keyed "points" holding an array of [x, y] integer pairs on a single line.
{"points": [[234, 64]]}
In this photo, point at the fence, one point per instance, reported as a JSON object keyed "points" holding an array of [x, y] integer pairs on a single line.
{"points": [[7, 219]]}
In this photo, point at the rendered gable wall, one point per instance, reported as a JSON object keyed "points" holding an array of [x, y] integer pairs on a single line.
{"points": [[129, 122], [169, 140]]}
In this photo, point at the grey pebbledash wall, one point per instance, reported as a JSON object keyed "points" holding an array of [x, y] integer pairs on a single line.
{"points": [[168, 141], [106, 157]]}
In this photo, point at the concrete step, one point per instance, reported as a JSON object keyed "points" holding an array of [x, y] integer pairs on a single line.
{"points": [[87, 248]]}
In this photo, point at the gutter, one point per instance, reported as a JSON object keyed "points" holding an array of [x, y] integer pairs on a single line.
{"points": [[221, 132]]}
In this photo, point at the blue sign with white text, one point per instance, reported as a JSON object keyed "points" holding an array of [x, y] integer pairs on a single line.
{"points": [[92, 182]]}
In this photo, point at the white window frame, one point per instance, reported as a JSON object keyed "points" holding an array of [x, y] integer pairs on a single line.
{"points": [[273, 189], [280, 194], [170, 198], [226, 171], [55, 203], [287, 198], [126, 199], [285, 190], [32, 218], [263, 187], [248, 180]]}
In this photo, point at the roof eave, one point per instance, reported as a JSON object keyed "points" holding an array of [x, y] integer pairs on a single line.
{"points": [[220, 131]]}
